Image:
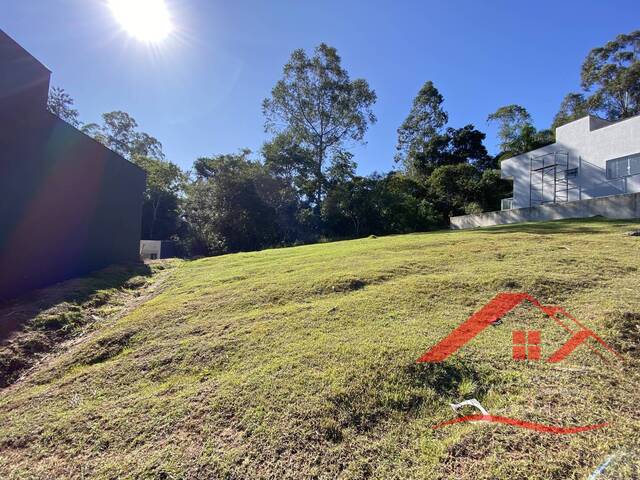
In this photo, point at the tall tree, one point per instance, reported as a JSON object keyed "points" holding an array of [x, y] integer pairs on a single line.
{"points": [[61, 104], [426, 119], [573, 107], [511, 120], [165, 181], [516, 131], [612, 75], [320, 106]]}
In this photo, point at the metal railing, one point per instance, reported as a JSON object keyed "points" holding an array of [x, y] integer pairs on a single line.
{"points": [[506, 204]]}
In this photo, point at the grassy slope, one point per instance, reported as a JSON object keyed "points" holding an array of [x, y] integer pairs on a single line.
{"points": [[300, 362]]}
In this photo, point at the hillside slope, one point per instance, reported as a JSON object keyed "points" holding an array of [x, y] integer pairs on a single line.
{"points": [[300, 363]]}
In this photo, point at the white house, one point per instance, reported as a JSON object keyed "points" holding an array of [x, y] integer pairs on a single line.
{"points": [[593, 168], [591, 158]]}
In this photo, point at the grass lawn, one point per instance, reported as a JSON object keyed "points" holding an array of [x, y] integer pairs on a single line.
{"points": [[300, 363]]}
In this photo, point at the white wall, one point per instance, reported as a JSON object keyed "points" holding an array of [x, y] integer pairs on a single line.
{"points": [[148, 247], [613, 206], [590, 142]]}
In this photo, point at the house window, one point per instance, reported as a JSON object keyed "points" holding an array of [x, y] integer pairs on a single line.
{"points": [[623, 167], [153, 256], [526, 345]]}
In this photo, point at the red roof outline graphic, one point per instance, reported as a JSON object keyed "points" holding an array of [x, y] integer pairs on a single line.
{"points": [[502, 304]]}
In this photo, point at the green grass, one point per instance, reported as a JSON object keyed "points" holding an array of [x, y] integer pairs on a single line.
{"points": [[300, 363], [41, 321]]}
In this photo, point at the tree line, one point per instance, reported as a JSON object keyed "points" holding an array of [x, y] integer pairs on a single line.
{"points": [[302, 185]]}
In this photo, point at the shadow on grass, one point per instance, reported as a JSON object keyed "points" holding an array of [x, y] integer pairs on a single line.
{"points": [[91, 289], [364, 402], [35, 323], [582, 225]]}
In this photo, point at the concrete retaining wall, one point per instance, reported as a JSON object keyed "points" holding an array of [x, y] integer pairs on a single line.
{"points": [[615, 206]]}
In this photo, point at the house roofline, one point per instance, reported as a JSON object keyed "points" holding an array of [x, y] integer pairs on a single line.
{"points": [[14, 42], [80, 132]]}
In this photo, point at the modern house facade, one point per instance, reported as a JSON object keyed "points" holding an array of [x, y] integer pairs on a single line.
{"points": [[591, 158], [593, 168], [68, 205]]}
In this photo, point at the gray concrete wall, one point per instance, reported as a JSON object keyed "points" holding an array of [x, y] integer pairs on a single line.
{"points": [[68, 205], [589, 142], [616, 206]]}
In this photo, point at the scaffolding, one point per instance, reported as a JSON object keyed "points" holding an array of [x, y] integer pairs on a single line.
{"points": [[549, 178]]}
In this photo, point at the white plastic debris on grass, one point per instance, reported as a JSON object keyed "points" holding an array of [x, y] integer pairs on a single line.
{"points": [[471, 403]]}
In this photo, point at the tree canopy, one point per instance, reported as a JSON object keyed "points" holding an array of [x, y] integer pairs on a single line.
{"points": [[319, 106], [61, 104], [610, 81], [516, 131], [119, 132], [426, 119]]}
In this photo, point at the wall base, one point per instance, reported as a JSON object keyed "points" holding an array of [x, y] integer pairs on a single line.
{"points": [[614, 206]]}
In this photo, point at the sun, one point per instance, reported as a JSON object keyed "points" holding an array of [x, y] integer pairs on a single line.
{"points": [[147, 20]]}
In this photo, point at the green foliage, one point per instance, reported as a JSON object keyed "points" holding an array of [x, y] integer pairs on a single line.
{"points": [[230, 206], [610, 80], [160, 210], [573, 107], [377, 205], [119, 133], [60, 104], [453, 146], [612, 74], [454, 186], [425, 120], [320, 107], [516, 131]]}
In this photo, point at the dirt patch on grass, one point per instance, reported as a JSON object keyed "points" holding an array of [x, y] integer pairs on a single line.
{"points": [[627, 327]]}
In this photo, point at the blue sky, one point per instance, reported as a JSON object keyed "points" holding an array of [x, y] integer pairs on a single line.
{"points": [[200, 91]]}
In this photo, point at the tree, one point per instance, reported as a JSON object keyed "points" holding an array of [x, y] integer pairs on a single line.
{"points": [[320, 107], [119, 133], [165, 181], [454, 187], [285, 158], [573, 107], [455, 145], [61, 104], [516, 131], [376, 204], [342, 168], [226, 207], [511, 120], [426, 119], [612, 75], [349, 209]]}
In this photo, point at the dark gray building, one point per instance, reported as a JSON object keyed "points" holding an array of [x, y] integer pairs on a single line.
{"points": [[68, 205]]}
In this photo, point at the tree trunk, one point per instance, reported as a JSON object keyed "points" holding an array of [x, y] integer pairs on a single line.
{"points": [[156, 205], [319, 180]]}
